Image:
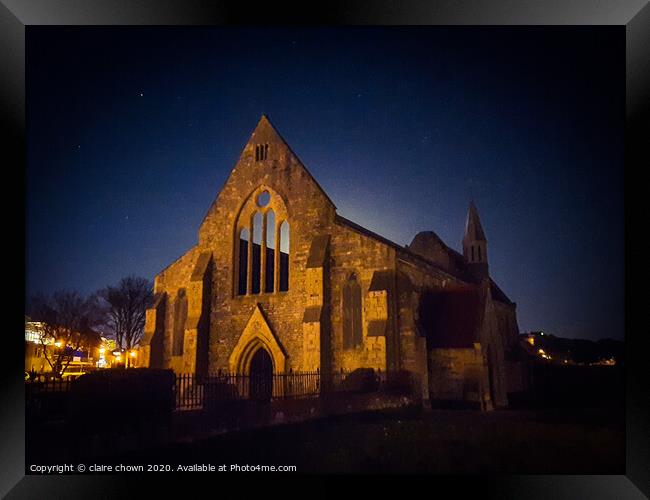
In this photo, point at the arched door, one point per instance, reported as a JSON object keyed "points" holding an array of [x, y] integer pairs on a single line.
{"points": [[261, 376]]}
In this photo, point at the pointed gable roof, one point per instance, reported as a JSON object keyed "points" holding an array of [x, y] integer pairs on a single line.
{"points": [[265, 132], [473, 229], [498, 294]]}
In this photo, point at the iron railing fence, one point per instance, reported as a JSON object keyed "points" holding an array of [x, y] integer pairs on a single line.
{"points": [[48, 398], [196, 392], [47, 386], [193, 391]]}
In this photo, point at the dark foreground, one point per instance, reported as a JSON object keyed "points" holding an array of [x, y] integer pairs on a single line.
{"points": [[563, 441]]}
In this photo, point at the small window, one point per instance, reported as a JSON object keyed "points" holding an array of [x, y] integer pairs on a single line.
{"points": [[261, 152], [263, 199]]}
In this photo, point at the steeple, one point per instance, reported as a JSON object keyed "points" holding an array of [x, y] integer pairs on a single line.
{"points": [[475, 245]]}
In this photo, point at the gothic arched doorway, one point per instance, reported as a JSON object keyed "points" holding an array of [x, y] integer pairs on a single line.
{"points": [[261, 376]]}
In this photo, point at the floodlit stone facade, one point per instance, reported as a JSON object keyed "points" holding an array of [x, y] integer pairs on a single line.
{"points": [[277, 272]]}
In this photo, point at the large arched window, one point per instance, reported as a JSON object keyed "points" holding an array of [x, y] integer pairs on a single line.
{"points": [[180, 317], [261, 256], [352, 328]]}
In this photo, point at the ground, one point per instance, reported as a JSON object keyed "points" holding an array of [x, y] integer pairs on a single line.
{"points": [[566, 441]]}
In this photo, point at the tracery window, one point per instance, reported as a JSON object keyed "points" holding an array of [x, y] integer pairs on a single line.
{"points": [[261, 257]]}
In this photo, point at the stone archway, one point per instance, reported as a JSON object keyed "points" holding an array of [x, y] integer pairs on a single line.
{"points": [[257, 335]]}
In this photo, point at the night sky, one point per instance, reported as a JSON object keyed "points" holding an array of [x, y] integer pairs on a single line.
{"points": [[132, 132]]}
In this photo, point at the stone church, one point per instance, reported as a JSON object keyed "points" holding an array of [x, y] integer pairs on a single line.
{"points": [[279, 278]]}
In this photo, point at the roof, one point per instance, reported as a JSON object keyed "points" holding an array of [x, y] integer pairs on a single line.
{"points": [[403, 250], [498, 294], [426, 241], [368, 232], [451, 317]]}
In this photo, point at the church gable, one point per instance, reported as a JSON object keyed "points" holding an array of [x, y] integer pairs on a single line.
{"points": [[266, 160]]}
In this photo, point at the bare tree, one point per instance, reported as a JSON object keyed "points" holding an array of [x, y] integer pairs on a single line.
{"points": [[125, 308], [67, 322]]}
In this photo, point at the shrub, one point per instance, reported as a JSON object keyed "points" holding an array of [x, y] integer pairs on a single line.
{"points": [[361, 380]]}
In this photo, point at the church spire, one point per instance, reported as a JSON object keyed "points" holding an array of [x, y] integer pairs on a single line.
{"points": [[473, 228], [475, 244]]}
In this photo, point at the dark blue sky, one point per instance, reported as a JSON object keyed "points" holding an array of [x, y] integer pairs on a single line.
{"points": [[133, 131]]}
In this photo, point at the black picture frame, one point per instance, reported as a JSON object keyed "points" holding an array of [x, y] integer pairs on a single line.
{"points": [[633, 16]]}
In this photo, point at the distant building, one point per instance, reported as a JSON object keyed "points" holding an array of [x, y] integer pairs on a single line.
{"points": [[35, 360], [39, 349], [280, 281]]}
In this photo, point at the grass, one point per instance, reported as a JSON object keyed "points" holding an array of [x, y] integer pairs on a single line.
{"points": [[568, 441]]}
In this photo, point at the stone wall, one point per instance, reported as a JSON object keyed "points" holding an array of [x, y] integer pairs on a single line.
{"points": [[354, 252], [459, 376]]}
